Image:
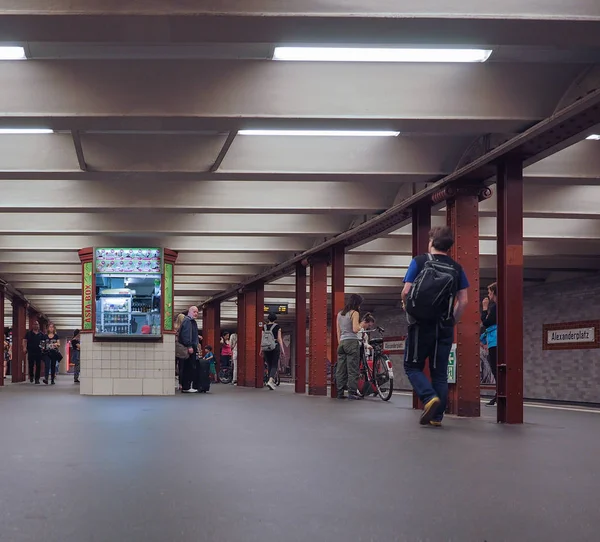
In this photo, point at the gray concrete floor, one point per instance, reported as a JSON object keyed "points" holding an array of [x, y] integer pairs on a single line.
{"points": [[253, 465]]}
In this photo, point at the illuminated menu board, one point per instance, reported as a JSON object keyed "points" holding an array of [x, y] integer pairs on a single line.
{"points": [[276, 309], [128, 260]]}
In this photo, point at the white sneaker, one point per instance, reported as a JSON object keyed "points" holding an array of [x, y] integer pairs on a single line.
{"points": [[191, 390], [271, 384]]}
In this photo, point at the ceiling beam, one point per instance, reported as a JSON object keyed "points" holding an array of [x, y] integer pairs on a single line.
{"points": [[311, 21], [214, 95], [224, 150], [205, 197]]}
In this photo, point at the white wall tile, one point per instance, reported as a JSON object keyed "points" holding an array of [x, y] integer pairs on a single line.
{"points": [[152, 386], [168, 387], [128, 386], [102, 386], [85, 388]]}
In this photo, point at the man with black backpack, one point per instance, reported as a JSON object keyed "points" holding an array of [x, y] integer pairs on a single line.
{"points": [[434, 297]]}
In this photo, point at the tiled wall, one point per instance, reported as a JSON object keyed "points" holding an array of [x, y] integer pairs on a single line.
{"points": [[568, 375], [127, 368]]}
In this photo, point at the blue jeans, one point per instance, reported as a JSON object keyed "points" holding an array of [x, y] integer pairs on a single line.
{"points": [[420, 346]]}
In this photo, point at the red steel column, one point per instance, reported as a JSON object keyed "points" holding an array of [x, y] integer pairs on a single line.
{"points": [[250, 336], [19, 363], [463, 218], [510, 291], [300, 346], [421, 224], [338, 275], [259, 319], [241, 333], [211, 329], [3, 337], [317, 364]]}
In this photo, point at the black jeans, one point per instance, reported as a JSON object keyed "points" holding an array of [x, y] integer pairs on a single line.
{"points": [[225, 361], [272, 359], [35, 362], [188, 374]]}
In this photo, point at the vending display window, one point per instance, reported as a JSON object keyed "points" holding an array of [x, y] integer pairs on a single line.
{"points": [[128, 292]]}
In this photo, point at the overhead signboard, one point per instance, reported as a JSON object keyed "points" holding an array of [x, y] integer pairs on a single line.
{"points": [[572, 335], [128, 260], [276, 308]]}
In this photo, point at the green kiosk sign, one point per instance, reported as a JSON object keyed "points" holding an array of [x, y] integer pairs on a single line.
{"points": [[452, 365]]}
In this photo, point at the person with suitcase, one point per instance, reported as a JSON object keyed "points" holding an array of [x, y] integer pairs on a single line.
{"points": [[188, 337]]}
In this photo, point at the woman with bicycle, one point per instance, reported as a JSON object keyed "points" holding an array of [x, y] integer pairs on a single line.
{"points": [[348, 328]]}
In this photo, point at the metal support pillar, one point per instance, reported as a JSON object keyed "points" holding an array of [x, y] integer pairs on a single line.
{"points": [[211, 329], [421, 224], [250, 339], [241, 333], [259, 361], [19, 363], [2, 328], [300, 343], [317, 364], [510, 291], [338, 275], [463, 218]]}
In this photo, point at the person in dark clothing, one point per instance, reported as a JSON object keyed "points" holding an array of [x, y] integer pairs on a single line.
{"points": [[50, 354], [272, 357], [76, 355], [433, 340], [32, 347], [489, 321], [188, 337]]}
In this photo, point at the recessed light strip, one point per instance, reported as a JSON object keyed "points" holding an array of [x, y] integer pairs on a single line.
{"points": [[594, 136], [321, 133], [26, 131], [12, 53], [379, 54]]}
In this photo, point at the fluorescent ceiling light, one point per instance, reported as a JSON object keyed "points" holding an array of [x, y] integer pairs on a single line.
{"points": [[26, 131], [373, 54], [594, 136], [12, 53], [329, 133]]}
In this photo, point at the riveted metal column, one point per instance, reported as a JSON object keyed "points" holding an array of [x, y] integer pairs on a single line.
{"points": [[260, 320], [250, 337], [338, 275], [421, 224], [510, 291], [211, 329], [241, 333], [2, 328], [317, 364], [19, 363], [463, 218], [300, 340]]}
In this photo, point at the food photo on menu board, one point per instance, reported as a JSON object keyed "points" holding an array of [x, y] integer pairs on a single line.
{"points": [[128, 260]]}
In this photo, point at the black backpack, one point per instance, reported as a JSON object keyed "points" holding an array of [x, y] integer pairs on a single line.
{"points": [[431, 296]]}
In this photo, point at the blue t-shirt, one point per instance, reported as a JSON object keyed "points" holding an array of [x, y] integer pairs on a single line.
{"points": [[210, 357], [416, 266]]}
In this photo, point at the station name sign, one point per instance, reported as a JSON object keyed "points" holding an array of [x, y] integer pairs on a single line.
{"points": [[276, 309], [572, 335]]}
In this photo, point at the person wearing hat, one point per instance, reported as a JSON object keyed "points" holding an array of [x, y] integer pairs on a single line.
{"points": [[76, 354]]}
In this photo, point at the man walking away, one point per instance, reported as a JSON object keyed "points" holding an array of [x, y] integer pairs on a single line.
{"points": [[434, 297], [76, 355], [188, 337], [32, 348]]}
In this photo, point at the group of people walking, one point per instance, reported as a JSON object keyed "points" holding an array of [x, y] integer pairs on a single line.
{"points": [[39, 346]]}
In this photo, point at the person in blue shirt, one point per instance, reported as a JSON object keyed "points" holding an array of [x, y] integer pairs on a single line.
{"points": [[433, 341], [210, 357]]}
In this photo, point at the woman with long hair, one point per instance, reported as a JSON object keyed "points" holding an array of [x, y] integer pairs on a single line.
{"points": [[181, 352], [490, 335], [52, 355], [348, 354], [226, 352]]}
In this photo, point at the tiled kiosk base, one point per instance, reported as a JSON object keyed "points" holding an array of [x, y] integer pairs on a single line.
{"points": [[127, 368]]}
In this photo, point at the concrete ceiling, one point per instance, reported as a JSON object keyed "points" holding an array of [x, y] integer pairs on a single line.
{"points": [[145, 98]]}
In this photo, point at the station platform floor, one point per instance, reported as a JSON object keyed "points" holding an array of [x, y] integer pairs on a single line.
{"points": [[253, 465]]}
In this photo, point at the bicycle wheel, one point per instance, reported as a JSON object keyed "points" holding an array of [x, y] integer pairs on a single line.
{"points": [[225, 376], [384, 376], [277, 379]]}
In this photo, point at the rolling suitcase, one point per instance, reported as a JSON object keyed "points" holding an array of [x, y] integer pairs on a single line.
{"points": [[202, 381]]}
